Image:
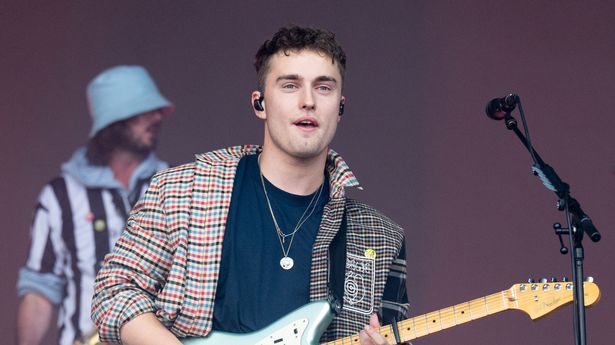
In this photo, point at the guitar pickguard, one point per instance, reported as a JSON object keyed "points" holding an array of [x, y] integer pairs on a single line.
{"points": [[304, 326]]}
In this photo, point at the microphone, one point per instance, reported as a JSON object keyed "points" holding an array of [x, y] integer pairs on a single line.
{"points": [[497, 108]]}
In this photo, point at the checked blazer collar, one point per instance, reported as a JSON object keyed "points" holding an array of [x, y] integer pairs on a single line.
{"points": [[340, 175]]}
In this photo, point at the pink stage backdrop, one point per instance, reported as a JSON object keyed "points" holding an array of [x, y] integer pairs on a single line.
{"points": [[419, 75]]}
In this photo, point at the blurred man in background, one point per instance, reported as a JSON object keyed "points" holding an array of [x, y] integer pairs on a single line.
{"points": [[80, 214]]}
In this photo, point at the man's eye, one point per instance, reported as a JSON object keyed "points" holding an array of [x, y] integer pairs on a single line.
{"points": [[324, 88], [289, 86]]}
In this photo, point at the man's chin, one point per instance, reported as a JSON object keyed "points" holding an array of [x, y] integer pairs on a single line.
{"points": [[149, 145], [143, 149], [306, 153]]}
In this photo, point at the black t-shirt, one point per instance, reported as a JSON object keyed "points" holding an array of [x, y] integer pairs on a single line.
{"points": [[253, 289]]}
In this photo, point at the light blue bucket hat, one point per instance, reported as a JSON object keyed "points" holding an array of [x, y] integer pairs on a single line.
{"points": [[121, 92]]}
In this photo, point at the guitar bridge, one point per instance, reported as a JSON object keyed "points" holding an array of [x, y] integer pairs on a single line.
{"points": [[290, 334]]}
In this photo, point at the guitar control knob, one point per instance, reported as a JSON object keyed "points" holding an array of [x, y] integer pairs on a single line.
{"points": [[553, 280], [543, 280], [565, 279], [589, 279], [531, 280]]}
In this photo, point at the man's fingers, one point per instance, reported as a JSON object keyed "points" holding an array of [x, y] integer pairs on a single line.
{"points": [[373, 321], [370, 335]]}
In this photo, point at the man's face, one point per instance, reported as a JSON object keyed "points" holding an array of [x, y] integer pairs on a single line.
{"points": [[142, 131], [302, 100]]}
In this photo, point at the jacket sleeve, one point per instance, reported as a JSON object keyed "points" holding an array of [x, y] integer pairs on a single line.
{"points": [[43, 272], [137, 268], [395, 299]]}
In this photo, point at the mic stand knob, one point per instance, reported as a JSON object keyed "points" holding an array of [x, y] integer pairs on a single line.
{"points": [[510, 121], [559, 231]]}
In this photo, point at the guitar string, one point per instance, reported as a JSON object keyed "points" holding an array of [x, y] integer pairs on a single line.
{"points": [[496, 298], [490, 300], [402, 324]]}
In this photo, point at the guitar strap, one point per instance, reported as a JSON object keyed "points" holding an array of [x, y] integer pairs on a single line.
{"points": [[100, 224], [337, 274], [337, 267]]}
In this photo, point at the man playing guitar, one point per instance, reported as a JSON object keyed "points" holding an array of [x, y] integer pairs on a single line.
{"points": [[243, 235]]}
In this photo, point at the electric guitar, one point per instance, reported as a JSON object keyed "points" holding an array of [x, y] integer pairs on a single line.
{"points": [[305, 325]]}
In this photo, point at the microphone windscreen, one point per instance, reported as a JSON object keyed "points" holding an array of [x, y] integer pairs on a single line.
{"points": [[495, 110]]}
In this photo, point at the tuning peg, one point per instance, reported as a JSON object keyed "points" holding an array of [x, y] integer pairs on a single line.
{"points": [[544, 280], [589, 279], [553, 280], [531, 280]]}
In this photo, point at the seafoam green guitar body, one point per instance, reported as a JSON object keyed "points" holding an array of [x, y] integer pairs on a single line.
{"points": [[303, 326]]}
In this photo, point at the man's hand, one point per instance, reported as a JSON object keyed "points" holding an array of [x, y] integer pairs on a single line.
{"points": [[370, 335]]}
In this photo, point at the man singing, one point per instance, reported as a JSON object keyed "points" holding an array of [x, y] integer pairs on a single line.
{"points": [[242, 236]]}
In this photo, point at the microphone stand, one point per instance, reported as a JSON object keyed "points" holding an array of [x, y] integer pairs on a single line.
{"points": [[577, 223]]}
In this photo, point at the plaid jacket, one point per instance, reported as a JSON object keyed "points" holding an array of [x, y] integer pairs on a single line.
{"points": [[168, 257]]}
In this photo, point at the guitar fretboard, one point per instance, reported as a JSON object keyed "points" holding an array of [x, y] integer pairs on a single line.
{"points": [[438, 320]]}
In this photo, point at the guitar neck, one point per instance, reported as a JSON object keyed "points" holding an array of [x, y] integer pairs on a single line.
{"points": [[536, 299], [306, 324], [438, 320]]}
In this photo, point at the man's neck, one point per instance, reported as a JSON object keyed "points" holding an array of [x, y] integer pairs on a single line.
{"points": [[123, 165], [293, 175]]}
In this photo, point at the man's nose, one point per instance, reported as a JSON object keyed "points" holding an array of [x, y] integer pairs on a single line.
{"points": [[156, 115], [307, 100]]}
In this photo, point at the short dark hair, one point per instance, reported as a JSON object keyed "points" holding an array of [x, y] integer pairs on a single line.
{"points": [[294, 37]]}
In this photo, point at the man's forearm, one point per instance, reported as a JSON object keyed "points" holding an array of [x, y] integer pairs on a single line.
{"points": [[33, 319], [145, 329]]}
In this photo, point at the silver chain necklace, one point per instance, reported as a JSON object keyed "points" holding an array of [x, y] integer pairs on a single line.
{"points": [[287, 262]]}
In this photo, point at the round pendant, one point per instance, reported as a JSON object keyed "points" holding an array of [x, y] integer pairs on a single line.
{"points": [[287, 263]]}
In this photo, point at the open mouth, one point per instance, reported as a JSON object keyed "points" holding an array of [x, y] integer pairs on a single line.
{"points": [[306, 123]]}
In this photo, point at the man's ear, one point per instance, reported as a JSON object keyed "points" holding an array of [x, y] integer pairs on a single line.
{"points": [[258, 103]]}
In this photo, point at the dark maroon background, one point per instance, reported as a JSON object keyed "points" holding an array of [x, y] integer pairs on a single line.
{"points": [[415, 133]]}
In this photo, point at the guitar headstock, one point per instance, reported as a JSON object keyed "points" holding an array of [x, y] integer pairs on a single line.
{"points": [[538, 299]]}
